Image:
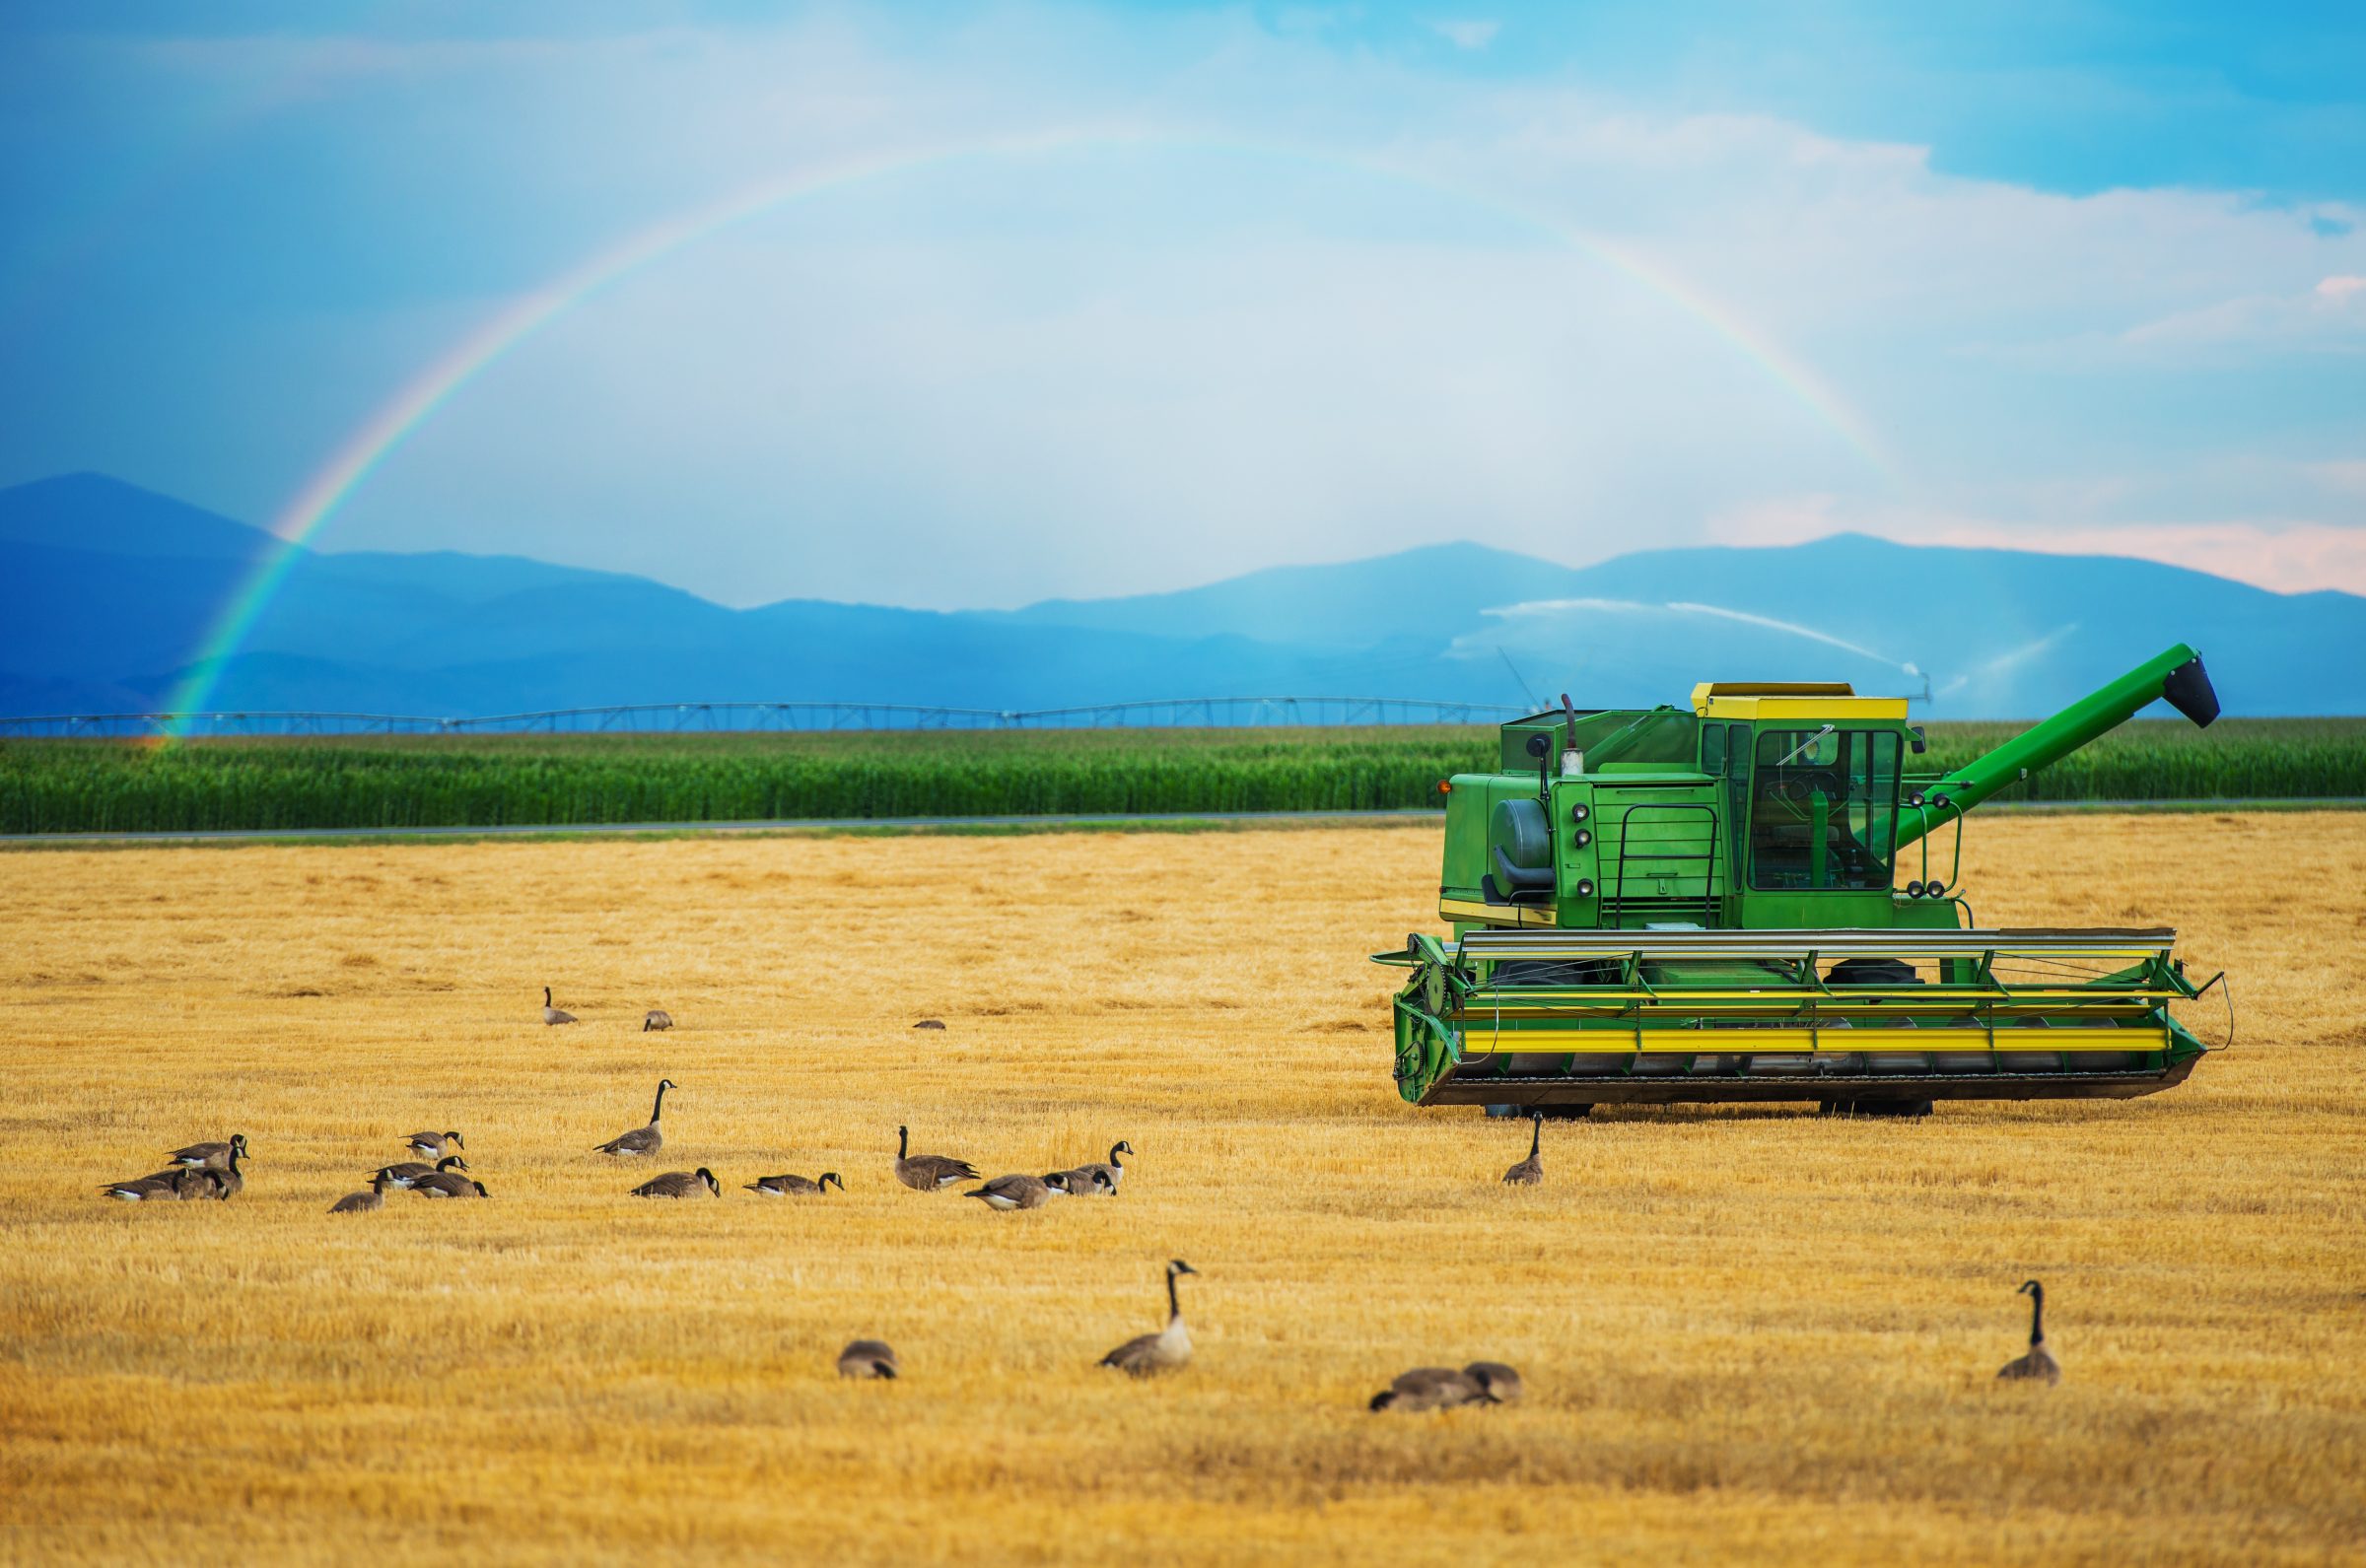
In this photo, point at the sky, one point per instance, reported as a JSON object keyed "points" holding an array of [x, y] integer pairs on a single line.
{"points": [[968, 305]]}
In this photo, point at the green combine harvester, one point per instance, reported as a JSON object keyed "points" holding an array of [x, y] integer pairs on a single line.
{"points": [[1702, 905]]}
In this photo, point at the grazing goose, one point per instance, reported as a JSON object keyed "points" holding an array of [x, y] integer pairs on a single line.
{"points": [[1112, 1170], [929, 1023], [2038, 1363], [1531, 1170], [868, 1358], [794, 1186], [1021, 1191], [364, 1202], [1429, 1388], [643, 1140], [659, 1018], [680, 1183], [924, 1173], [1165, 1350], [410, 1171], [446, 1184], [552, 1015], [1502, 1382], [209, 1156], [432, 1146]]}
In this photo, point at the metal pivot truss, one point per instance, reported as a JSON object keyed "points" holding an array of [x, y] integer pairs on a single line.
{"points": [[1589, 1017]]}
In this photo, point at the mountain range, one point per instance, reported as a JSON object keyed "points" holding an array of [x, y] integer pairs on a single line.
{"points": [[113, 592]]}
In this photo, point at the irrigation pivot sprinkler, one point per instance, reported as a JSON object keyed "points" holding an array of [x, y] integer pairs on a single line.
{"points": [[1705, 904]]}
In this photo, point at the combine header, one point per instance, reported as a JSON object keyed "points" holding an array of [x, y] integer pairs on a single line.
{"points": [[1704, 905]]}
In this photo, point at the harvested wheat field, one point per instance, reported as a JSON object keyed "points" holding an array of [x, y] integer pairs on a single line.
{"points": [[1744, 1332]]}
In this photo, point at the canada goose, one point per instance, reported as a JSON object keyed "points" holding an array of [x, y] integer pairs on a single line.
{"points": [[868, 1358], [165, 1186], [1086, 1181], [441, 1183], [1169, 1348], [230, 1179], [1021, 1191], [680, 1183], [794, 1186], [410, 1171], [924, 1173], [1114, 1169], [552, 1015], [2038, 1362], [929, 1023], [1429, 1388], [1502, 1382], [364, 1202], [659, 1018], [1531, 1170], [209, 1156], [432, 1146], [643, 1140]]}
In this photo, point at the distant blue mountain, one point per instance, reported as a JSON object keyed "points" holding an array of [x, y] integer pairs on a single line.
{"points": [[112, 591]]}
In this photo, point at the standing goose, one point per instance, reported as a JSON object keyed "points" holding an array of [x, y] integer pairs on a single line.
{"points": [[794, 1186], [1021, 1191], [364, 1202], [1429, 1388], [659, 1018], [440, 1183], [552, 1015], [643, 1140], [432, 1146], [1165, 1350], [410, 1171], [680, 1183], [1112, 1171], [2038, 1362], [1531, 1170], [868, 1358], [924, 1173], [209, 1156]]}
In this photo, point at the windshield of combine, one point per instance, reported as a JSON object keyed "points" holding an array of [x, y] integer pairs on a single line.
{"points": [[1822, 808]]}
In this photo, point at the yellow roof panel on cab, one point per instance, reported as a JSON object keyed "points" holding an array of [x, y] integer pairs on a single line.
{"points": [[1818, 700]]}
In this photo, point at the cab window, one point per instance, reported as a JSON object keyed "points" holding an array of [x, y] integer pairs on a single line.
{"points": [[1823, 808]]}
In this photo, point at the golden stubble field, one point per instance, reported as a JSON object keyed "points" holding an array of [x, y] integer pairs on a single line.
{"points": [[1747, 1333]]}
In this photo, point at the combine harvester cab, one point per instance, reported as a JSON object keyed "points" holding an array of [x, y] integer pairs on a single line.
{"points": [[1704, 905]]}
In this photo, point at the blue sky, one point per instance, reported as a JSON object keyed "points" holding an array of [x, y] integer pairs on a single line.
{"points": [[1086, 299]]}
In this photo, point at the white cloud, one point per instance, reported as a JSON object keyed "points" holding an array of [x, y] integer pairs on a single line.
{"points": [[1467, 34]]}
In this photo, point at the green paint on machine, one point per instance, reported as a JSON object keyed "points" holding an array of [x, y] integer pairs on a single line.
{"points": [[1757, 898]]}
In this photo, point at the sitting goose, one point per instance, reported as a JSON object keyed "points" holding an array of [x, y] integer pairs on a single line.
{"points": [[794, 1186], [1165, 1350], [2038, 1363], [868, 1358], [1108, 1172], [209, 1156], [1021, 1191], [700, 1183], [230, 1179], [1531, 1170], [1429, 1388], [165, 1186], [364, 1202], [447, 1183], [926, 1172], [432, 1146], [642, 1140], [659, 1018], [410, 1171], [552, 1015]]}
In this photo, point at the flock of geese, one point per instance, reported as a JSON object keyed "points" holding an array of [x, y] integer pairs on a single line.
{"points": [[439, 1170]]}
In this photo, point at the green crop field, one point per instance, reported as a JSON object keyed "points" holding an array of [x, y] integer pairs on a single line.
{"points": [[493, 781]]}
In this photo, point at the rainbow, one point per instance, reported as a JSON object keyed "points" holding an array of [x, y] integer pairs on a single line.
{"points": [[369, 443]]}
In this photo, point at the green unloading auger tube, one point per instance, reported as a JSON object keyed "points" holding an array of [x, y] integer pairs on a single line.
{"points": [[1709, 912]]}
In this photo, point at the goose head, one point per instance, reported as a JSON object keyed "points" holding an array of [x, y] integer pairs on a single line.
{"points": [[708, 1177], [452, 1162], [480, 1188], [828, 1177], [237, 1143]]}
